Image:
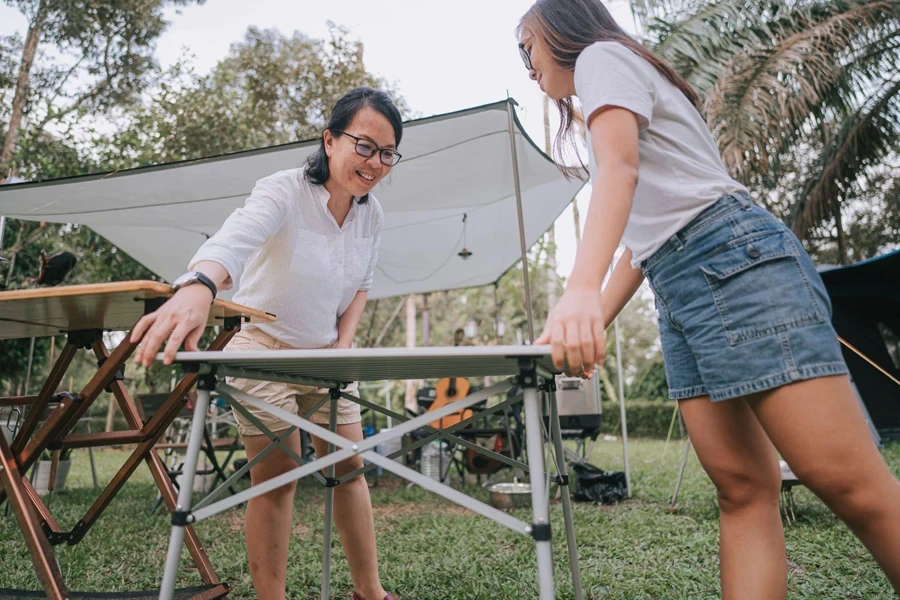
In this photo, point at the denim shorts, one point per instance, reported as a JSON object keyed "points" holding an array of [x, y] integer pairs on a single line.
{"points": [[741, 306]]}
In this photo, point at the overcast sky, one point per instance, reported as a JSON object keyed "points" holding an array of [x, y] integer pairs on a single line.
{"points": [[442, 56]]}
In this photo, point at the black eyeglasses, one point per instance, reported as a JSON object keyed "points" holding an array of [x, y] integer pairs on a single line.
{"points": [[365, 148], [526, 56]]}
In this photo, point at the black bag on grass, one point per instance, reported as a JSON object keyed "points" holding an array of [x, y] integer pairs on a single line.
{"points": [[593, 484]]}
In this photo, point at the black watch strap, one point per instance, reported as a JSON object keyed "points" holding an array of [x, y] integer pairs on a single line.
{"points": [[208, 283]]}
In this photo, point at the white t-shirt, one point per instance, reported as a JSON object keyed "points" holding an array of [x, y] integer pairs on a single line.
{"points": [[681, 171], [300, 265]]}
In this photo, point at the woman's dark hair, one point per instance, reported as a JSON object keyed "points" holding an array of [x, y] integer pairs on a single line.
{"points": [[569, 26], [345, 109]]}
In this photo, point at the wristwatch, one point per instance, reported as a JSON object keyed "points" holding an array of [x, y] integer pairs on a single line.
{"points": [[195, 277]]}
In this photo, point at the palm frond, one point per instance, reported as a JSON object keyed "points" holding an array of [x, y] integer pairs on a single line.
{"points": [[865, 137], [767, 94], [700, 45]]}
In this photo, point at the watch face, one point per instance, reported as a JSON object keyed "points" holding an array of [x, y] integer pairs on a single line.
{"points": [[184, 279]]}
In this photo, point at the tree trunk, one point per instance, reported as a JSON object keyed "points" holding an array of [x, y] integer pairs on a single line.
{"points": [[551, 234], [12, 260], [388, 323], [110, 415], [843, 257], [368, 342], [410, 400], [18, 106], [608, 386]]}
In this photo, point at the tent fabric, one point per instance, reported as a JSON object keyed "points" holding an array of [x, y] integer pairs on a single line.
{"points": [[865, 297], [455, 166]]}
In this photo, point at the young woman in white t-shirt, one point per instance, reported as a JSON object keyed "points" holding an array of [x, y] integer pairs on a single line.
{"points": [[744, 319], [303, 247]]}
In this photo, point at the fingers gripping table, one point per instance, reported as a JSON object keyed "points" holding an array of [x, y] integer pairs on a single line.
{"points": [[527, 368], [83, 313]]}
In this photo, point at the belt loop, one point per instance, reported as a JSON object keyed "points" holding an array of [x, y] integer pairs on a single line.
{"points": [[743, 200], [678, 242]]}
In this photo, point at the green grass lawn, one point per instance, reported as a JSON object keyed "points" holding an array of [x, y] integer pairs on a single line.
{"points": [[432, 550]]}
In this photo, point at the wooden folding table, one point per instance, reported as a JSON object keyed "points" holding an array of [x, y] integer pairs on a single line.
{"points": [[83, 313]]}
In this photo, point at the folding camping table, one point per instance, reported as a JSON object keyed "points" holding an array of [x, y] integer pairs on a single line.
{"points": [[527, 368], [83, 313]]}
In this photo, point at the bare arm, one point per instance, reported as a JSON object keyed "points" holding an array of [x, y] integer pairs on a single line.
{"points": [[623, 283], [576, 327], [349, 321], [614, 134], [183, 317]]}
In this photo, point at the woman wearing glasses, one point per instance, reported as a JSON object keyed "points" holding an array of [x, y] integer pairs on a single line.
{"points": [[303, 247], [744, 318]]}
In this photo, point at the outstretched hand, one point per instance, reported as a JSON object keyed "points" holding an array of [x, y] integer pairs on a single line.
{"points": [[182, 319], [576, 332]]}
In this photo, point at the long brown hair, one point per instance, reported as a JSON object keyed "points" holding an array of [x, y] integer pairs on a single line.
{"points": [[569, 26]]}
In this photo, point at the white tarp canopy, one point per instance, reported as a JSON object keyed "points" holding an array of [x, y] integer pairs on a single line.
{"points": [[453, 165]]}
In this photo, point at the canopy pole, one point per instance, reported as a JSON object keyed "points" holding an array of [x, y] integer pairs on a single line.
{"points": [[622, 406], [515, 168], [621, 382], [426, 325], [496, 315]]}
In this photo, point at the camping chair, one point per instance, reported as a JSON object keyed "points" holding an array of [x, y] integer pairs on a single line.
{"points": [[500, 433]]}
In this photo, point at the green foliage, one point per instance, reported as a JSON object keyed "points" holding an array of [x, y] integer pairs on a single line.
{"points": [[650, 382], [646, 419], [102, 59], [14, 365], [640, 341], [429, 549], [802, 98], [270, 89]]}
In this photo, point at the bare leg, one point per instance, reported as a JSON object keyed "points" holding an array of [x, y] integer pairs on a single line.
{"points": [[268, 523], [819, 429], [743, 465], [354, 519]]}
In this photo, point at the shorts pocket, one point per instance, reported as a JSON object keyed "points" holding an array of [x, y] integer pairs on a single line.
{"points": [[251, 339], [239, 343], [759, 286]]}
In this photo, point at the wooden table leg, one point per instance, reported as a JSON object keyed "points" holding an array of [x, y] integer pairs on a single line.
{"points": [[42, 554], [154, 429]]}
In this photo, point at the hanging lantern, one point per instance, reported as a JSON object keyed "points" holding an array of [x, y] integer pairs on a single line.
{"points": [[465, 252]]}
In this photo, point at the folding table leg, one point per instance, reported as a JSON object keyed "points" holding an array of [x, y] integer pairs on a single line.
{"points": [[41, 552], [540, 502], [329, 501], [180, 517], [684, 458], [191, 539], [562, 472]]}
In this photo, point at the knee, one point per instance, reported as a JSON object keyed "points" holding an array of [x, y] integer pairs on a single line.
{"points": [[265, 472], [739, 489], [348, 466], [281, 493]]}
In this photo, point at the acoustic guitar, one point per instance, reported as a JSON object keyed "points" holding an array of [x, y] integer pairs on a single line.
{"points": [[450, 389]]}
